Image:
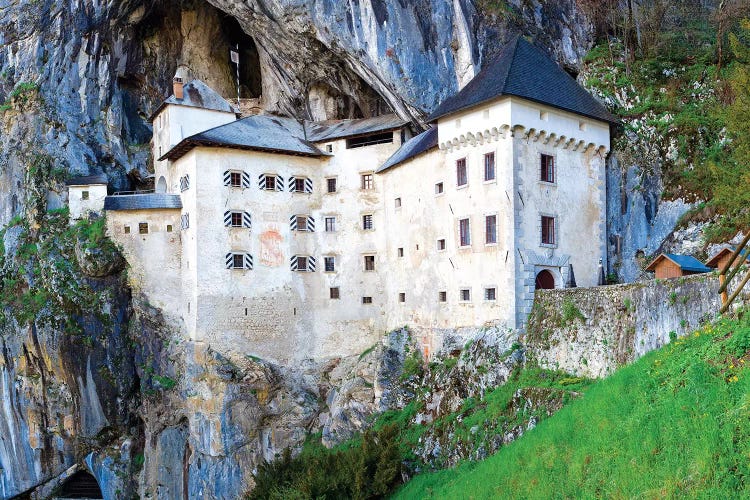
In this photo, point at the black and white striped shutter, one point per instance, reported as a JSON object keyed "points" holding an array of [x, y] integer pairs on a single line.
{"points": [[293, 222], [291, 184], [308, 185], [279, 183], [245, 180], [310, 224], [187, 182], [246, 220], [293, 263], [248, 261], [229, 260], [227, 178], [185, 221], [311, 264], [228, 218], [262, 181]]}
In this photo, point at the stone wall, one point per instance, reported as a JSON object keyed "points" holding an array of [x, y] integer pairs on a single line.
{"points": [[593, 331]]}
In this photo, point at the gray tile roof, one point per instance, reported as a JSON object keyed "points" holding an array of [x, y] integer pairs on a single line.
{"points": [[197, 94], [338, 129], [686, 263], [142, 201], [525, 71], [261, 133], [412, 148], [88, 180]]}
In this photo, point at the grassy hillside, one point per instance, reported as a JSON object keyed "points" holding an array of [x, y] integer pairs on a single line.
{"points": [[675, 423]]}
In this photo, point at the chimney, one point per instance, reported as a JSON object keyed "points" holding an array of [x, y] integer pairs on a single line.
{"points": [[177, 87]]}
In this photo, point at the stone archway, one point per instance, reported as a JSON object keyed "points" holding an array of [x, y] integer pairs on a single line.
{"points": [[80, 485], [545, 280]]}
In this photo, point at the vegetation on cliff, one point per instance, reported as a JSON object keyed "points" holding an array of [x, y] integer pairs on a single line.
{"points": [[673, 424]]}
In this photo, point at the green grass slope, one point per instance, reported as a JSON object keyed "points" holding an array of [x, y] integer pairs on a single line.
{"points": [[674, 424]]}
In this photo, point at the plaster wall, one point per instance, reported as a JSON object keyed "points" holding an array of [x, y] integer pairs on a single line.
{"points": [[79, 207]]}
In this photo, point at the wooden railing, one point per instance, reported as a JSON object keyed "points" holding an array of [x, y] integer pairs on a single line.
{"points": [[725, 279]]}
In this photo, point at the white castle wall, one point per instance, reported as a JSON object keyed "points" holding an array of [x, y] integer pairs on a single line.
{"points": [[80, 207]]}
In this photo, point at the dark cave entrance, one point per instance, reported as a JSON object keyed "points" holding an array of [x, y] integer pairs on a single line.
{"points": [[249, 61], [80, 485]]}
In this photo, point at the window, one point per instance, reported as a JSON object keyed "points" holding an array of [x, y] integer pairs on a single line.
{"points": [[334, 292], [238, 260], [439, 188], [302, 223], [143, 228], [367, 182], [369, 262], [367, 222], [237, 179], [441, 244], [329, 264], [271, 182], [300, 185], [169, 228], [331, 184], [465, 294], [126, 229], [402, 297], [302, 263], [461, 176], [490, 224], [329, 148], [84, 195], [184, 183], [184, 221], [330, 224], [236, 218], [464, 233], [442, 296], [397, 202], [548, 168], [489, 167], [490, 293], [548, 230], [370, 140], [367, 300], [400, 251]]}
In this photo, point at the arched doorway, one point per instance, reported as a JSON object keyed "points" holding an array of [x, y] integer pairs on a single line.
{"points": [[161, 186], [80, 485], [545, 280]]}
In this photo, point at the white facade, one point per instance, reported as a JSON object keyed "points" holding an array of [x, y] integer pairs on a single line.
{"points": [[85, 198]]}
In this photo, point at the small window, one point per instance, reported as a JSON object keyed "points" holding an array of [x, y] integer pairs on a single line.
{"points": [[397, 202], [236, 219], [301, 223], [329, 148], [462, 178], [184, 183], [490, 294], [439, 188], [184, 221], [490, 231], [331, 184], [441, 244], [303, 263], [547, 168], [169, 228], [489, 167], [464, 232], [548, 230], [238, 261], [367, 300], [271, 183], [143, 228], [370, 140], [442, 296], [402, 297], [367, 181], [334, 292], [329, 264], [369, 262], [126, 229], [400, 251], [465, 294], [367, 222], [330, 224], [84, 195], [299, 185], [235, 179]]}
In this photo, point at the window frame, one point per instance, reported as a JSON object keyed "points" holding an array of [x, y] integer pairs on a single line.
{"points": [[235, 174], [235, 257], [442, 296], [548, 218], [439, 188], [330, 180], [366, 300], [143, 228], [402, 297], [487, 156], [367, 222], [442, 245], [462, 167], [332, 260], [547, 164], [334, 293], [461, 295], [369, 263], [332, 220], [487, 241], [464, 242], [85, 195], [367, 181], [487, 289]]}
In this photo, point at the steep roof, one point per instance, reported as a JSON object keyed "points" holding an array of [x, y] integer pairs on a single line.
{"points": [[260, 133], [142, 201], [713, 262], [523, 70], [88, 180], [412, 148], [338, 129], [686, 263], [197, 94]]}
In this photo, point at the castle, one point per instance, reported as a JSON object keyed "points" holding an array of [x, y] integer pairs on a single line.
{"points": [[293, 239]]}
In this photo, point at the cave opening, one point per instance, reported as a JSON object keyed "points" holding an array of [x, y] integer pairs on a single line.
{"points": [[248, 58], [80, 485]]}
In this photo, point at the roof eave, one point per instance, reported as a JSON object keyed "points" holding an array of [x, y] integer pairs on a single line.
{"points": [[187, 145], [353, 136]]}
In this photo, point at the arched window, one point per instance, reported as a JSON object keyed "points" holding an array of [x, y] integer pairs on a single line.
{"points": [[161, 186], [545, 280]]}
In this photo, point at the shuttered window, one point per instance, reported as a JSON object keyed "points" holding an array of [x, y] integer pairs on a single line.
{"points": [[237, 179], [237, 218], [238, 260], [271, 182], [302, 223], [300, 185], [302, 263]]}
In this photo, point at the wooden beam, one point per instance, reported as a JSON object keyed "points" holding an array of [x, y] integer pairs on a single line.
{"points": [[727, 279], [725, 307], [737, 251]]}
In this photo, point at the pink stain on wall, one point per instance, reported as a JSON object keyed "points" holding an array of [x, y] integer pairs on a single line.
{"points": [[270, 248]]}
